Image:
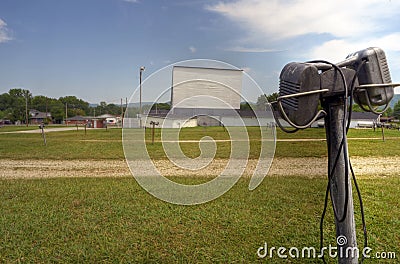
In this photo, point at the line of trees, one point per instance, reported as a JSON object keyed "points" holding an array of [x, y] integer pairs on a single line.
{"points": [[15, 103], [396, 110]]}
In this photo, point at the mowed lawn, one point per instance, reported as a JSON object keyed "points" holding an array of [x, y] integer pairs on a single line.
{"points": [[113, 220], [107, 144]]}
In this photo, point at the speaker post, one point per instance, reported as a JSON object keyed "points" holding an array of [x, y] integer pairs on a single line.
{"points": [[340, 182]]}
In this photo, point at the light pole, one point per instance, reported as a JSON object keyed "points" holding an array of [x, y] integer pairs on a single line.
{"points": [[66, 114], [140, 96]]}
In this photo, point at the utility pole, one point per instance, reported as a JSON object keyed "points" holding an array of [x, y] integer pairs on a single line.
{"points": [[66, 114], [122, 113], [126, 108], [26, 108], [140, 95], [46, 110]]}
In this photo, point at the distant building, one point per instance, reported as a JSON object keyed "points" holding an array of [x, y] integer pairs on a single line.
{"points": [[89, 121], [204, 97], [110, 120], [363, 120], [77, 120], [5, 122], [37, 117], [178, 118], [358, 120]]}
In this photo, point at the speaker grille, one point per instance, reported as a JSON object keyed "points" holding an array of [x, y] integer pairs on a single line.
{"points": [[385, 69], [288, 88]]}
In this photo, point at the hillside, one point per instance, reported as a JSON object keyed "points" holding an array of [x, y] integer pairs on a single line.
{"points": [[395, 99]]}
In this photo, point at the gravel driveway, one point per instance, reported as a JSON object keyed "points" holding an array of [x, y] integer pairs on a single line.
{"points": [[309, 167]]}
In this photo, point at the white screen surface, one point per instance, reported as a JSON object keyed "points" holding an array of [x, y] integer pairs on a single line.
{"points": [[190, 85]]}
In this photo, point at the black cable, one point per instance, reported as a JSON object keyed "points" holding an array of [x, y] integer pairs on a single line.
{"points": [[362, 211], [364, 226], [279, 123], [330, 172], [352, 86], [321, 223], [351, 169], [342, 145]]}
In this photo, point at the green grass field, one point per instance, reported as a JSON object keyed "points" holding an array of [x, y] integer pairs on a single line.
{"points": [[107, 144], [113, 220]]}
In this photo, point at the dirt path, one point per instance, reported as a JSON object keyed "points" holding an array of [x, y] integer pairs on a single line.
{"points": [[38, 131], [309, 167]]}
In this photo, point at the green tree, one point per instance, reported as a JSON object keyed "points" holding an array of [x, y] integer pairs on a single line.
{"points": [[15, 104], [389, 112], [246, 106], [396, 110], [161, 106], [5, 101], [262, 100], [114, 109], [101, 109], [104, 108], [75, 106], [56, 107], [57, 110], [357, 108], [272, 97], [40, 103]]}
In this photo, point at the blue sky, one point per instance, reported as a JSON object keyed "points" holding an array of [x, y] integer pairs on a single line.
{"points": [[93, 49]]}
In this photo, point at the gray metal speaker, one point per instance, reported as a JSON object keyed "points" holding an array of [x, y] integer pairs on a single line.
{"points": [[297, 101], [374, 77]]}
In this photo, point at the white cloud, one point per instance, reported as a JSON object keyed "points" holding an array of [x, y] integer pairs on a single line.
{"points": [[333, 49], [276, 19], [337, 50], [252, 50], [192, 49], [131, 1], [328, 30], [4, 32], [389, 42]]}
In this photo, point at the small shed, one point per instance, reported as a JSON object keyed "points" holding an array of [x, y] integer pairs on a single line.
{"points": [[98, 122]]}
